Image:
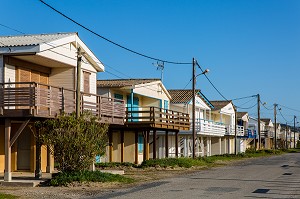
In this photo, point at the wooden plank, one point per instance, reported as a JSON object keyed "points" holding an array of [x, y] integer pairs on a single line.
{"points": [[19, 131]]}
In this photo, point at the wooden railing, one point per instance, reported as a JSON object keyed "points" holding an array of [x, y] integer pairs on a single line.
{"points": [[41, 100], [157, 117]]}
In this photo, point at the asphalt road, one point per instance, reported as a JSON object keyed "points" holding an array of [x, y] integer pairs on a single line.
{"points": [[271, 177]]}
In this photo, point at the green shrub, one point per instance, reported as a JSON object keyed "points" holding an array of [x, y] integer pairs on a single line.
{"points": [[7, 196], [65, 178], [114, 164]]}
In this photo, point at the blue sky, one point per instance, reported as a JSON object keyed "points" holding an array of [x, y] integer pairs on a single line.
{"points": [[250, 46]]}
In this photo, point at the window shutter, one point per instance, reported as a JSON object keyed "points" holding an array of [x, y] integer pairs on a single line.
{"points": [[86, 82]]}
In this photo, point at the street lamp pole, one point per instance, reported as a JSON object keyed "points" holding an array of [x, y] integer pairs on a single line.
{"points": [[294, 131], [275, 128], [194, 105], [258, 122], [193, 109]]}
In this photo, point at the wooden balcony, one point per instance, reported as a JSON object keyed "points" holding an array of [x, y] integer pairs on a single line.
{"points": [[153, 117], [209, 127], [30, 99]]}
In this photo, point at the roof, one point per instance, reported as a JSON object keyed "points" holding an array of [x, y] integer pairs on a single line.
{"points": [[31, 40], [241, 114], [118, 83], [40, 44], [219, 104], [266, 120], [185, 96]]}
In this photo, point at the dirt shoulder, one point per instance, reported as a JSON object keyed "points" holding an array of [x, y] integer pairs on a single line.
{"points": [[86, 190]]}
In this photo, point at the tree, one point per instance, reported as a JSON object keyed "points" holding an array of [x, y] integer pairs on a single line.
{"points": [[75, 141]]}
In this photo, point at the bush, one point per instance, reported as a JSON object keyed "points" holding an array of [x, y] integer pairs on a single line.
{"points": [[75, 141], [65, 178]]}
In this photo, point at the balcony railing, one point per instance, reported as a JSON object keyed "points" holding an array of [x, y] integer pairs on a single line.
{"points": [[209, 127], [157, 118], [19, 99], [230, 130]]}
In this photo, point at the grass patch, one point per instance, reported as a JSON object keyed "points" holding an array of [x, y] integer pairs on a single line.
{"points": [[65, 178], [7, 196], [115, 165], [207, 161], [173, 162]]}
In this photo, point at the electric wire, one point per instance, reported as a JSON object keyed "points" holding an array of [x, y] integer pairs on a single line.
{"points": [[289, 108], [212, 83], [108, 40], [239, 98]]}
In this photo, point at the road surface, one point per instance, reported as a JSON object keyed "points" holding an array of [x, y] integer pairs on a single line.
{"points": [[270, 177]]}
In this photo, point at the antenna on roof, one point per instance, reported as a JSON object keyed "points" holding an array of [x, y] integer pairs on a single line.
{"points": [[160, 65]]}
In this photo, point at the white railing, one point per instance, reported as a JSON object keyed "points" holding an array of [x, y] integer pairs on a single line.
{"points": [[209, 127], [230, 130]]}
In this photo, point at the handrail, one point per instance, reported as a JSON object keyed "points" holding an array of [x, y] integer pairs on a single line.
{"points": [[157, 116], [48, 101]]}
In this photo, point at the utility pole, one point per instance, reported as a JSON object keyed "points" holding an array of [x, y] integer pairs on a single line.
{"points": [[235, 131], [275, 128], [78, 81], [258, 121], [286, 132], [294, 131], [193, 109]]}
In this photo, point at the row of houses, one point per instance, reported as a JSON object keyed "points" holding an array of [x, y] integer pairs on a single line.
{"points": [[38, 76]]}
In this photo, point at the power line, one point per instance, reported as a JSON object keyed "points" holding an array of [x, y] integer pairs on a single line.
{"points": [[270, 109], [211, 82], [110, 41], [247, 107], [289, 108], [239, 98]]}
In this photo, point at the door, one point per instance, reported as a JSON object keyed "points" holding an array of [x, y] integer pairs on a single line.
{"points": [[24, 150], [135, 107]]}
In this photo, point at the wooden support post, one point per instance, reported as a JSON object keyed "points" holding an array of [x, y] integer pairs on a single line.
{"points": [[7, 171], [176, 144], [167, 144], [38, 171], [122, 145], [48, 168], [147, 144], [110, 145], [154, 144], [144, 145], [136, 146]]}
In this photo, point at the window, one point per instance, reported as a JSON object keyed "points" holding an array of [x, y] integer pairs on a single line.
{"points": [[86, 82]]}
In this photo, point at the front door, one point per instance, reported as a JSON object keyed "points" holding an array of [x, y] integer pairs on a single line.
{"points": [[24, 150], [135, 107]]}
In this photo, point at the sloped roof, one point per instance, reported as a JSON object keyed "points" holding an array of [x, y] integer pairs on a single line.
{"points": [[39, 44], [119, 83], [241, 114], [184, 96], [31, 40], [266, 120], [219, 104]]}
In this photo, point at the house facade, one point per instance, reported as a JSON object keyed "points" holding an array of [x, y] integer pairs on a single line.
{"points": [[149, 121], [209, 134], [224, 113], [38, 75]]}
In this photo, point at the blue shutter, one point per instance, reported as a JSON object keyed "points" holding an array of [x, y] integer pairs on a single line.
{"points": [[166, 104]]}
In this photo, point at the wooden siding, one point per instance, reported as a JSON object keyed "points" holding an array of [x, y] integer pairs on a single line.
{"points": [[1, 69], [63, 77]]}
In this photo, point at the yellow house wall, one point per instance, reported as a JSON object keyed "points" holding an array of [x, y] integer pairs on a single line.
{"points": [[2, 153], [116, 153], [129, 147]]}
